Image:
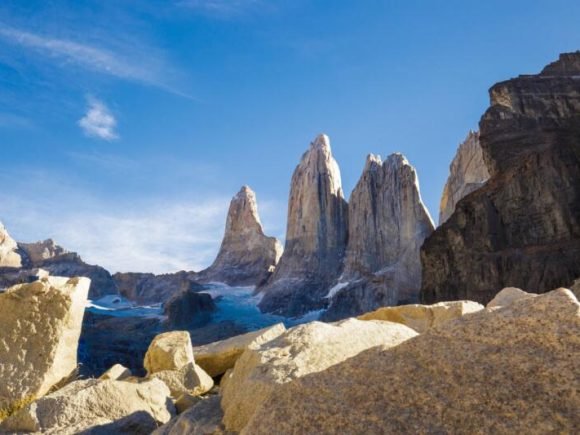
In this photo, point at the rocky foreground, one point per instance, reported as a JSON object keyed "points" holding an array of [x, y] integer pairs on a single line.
{"points": [[453, 367]]}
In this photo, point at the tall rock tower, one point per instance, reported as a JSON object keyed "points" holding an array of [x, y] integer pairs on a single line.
{"points": [[387, 226], [246, 256], [316, 236]]}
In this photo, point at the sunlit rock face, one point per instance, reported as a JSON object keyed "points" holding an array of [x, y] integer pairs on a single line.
{"points": [[316, 236], [246, 256], [9, 256], [388, 223], [467, 173], [522, 228]]}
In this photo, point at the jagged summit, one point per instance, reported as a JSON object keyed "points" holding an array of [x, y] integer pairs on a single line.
{"points": [[568, 64], [246, 256], [315, 238]]}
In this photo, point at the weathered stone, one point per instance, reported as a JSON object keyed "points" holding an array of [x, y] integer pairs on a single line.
{"points": [[40, 325], [246, 256], [507, 296], [189, 379], [186, 401], [37, 252], [302, 350], [169, 351], [387, 226], [9, 256], [188, 309], [147, 288], [424, 317], [522, 228], [116, 373], [216, 358], [511, 370], [467, 173], [203, 418], [96, 407], [315, 238]]}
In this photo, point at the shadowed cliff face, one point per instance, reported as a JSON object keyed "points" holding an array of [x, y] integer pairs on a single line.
{"points": [[247, 256], [315, 238], [522, 228]]}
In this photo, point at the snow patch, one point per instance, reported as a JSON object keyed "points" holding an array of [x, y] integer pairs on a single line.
{"points": [[334, 290]]}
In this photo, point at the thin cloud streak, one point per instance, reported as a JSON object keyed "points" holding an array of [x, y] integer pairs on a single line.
{"points": [[223, 8], [122, 65], [99, 122]]}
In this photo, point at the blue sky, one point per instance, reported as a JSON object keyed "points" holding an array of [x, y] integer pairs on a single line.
{"points": [[127, 125]]}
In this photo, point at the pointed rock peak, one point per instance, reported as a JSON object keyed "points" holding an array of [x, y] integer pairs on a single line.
{"points": [[321, 142], [245, 193], [373, 162], [243, 211], [397, 160]]}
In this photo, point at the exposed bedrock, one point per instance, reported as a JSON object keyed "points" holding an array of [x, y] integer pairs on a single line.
{"points": [[316, 236], [522, 228]]}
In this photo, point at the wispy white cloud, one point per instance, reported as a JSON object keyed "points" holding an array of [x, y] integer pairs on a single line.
{"points": [[99, 122], [149, 235], [128, 60], [224, 8]]}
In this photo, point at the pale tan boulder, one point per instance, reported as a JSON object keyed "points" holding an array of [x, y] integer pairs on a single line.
{"points": [[512, 370], [423, 317], [169, 351], [302, 350], [190, 379], [508, 296], [116, 373], [9, 256], [101, 406], [216, 358], [204, 418], [40, 326]]}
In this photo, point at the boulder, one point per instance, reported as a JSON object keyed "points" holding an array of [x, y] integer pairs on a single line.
{"points": [[522, 227], [9, 257], [189, 379], [216, 358], [204, 418], [246, 256], [511, 370], [169, 351], [507, 296], [96, 407], [116, 373], [316, 236], [424, 317], [467, 173], [188, 309], [387, 224], [40, 325], [302, 350]]}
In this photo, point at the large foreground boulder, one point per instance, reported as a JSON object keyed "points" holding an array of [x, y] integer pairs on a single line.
{"points": [[508, 370], [424, 317], [216, 358], [169, 351], [40, 325], [204, 418], [302, 350], [96, 407]]}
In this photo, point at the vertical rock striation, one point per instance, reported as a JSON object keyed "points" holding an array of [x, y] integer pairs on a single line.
{"points": [[467, 173], [246, 256], [316, 236], [387, 226], [9, 256], [522, 228]]}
